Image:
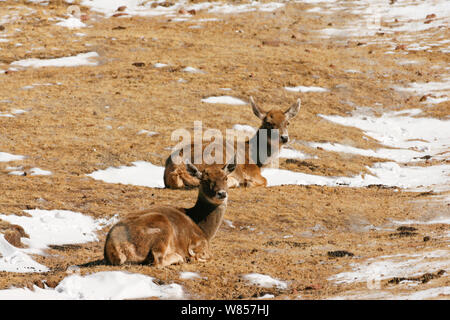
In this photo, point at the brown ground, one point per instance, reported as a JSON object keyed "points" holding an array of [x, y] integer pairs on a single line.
{"points": [[65, 131]]}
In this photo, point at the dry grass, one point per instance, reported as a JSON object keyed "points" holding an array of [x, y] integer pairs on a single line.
{"points": [[68, 130]]}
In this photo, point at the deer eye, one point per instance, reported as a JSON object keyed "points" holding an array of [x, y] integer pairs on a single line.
{"points": [[269, 125]]}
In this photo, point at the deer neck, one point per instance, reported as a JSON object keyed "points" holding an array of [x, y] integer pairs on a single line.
{"points": [[208, 216], [256, 143]]}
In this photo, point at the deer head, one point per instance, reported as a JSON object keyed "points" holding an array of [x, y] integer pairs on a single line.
{"points": [[213, 181], [276, 119]]}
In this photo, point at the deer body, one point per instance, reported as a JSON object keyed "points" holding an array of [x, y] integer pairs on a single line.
{"points": [[164, 235], [247, 173]]}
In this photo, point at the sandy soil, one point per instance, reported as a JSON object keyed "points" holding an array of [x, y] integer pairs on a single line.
{"points": [[286, 232]]}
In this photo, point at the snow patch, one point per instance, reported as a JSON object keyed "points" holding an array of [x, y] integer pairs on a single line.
{"points": [[82, 59], [402, 130], [141, 173], [224, 100], [71, 23], [400, 265], [6, 157], [107, 285], [306, 89], [187, 275], [384, 173], [264, 281], [13, 259], [45, 227]]}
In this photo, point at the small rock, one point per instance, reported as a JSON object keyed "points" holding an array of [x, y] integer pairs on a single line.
{"points": [[404, 228], [139, 64], [426, 238], [115, 15], [121, 8], [339, 254], [271, 43], [423, 98]]}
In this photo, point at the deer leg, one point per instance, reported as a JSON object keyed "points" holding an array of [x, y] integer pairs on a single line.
{"points": [[171, 258], [199, 250], [253, 177]]}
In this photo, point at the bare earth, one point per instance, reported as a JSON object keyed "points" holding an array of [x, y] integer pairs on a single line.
{"points": [[286, 232]]}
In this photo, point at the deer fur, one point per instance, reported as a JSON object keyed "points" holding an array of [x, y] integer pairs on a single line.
{"points": [[164, 235], [247, 174]]}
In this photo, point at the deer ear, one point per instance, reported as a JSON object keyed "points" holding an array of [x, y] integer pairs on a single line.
{"points": [[293, 110], [193, 171], [229, 167], [257, 110]]}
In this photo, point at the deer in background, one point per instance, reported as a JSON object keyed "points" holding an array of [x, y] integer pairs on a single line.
{"points": [[164, 235], [247, 174]]}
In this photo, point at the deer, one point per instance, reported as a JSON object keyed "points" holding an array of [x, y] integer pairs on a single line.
{"points": [[248, 173], [165, 235]]}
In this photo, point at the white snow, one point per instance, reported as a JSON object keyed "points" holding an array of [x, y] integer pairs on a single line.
{"points": [[244, 128], [137, 7], [306, 89], [436, 220], [18, 111], [39, 172], [160, 65], [6, 157], [383, 173], [147, 133], [192, 70], [141, 173], [56, 227], [432, 87], [431, 293], [33, 172], [13, 259], [400, 265], [71, 23], [292, 154], [82, 59], [374, 16], [402, 130], [264, 281], [107, 285], [187, 275], [432, 100], [253, 6], [267, 296], [399, 155], [17, 173], [224, 100], [46, 227]]}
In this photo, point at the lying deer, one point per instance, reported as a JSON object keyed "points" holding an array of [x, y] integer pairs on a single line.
{"points": [[167, 235], [247, 173]]}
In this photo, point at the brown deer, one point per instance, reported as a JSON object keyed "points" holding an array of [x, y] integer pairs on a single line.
{"points": [[247, 173], [167, 235]]}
